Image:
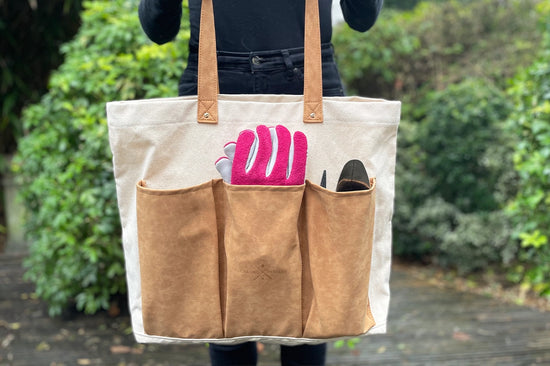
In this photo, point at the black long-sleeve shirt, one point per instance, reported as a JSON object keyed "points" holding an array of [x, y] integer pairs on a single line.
{"points": [[253, 25]]}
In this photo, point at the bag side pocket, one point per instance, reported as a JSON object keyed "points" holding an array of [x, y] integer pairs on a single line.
{"points": [[337, 235], [263, 261], [178, 255]]}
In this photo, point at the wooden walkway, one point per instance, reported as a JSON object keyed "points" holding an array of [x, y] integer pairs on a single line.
{"points": [[427, 326]]}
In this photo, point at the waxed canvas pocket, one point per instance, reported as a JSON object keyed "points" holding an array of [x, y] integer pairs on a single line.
{"points": [[178, 252], [336, 240], [264, 269], [222, 261]]}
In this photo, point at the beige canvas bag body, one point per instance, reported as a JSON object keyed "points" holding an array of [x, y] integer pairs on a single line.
{"points": [[207, 261]]}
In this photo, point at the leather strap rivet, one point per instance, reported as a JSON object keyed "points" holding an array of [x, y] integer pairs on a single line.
{"points": [[206, 115], [312, 115]]}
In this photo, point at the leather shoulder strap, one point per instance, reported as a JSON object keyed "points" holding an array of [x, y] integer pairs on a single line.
{"points": [[208, 85]]}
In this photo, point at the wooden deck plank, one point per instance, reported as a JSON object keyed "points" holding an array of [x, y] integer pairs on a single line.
{"points": [[428, 325]]}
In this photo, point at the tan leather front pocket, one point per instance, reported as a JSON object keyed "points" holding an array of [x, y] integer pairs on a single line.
{"points": [[223, 261], [336, 235], [178, 251], [264, 269]]}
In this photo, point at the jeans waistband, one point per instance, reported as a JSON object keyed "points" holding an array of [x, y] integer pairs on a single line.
{"points": [[263, 60]]}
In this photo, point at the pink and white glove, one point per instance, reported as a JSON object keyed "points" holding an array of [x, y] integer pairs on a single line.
{"points": [[224, 164], [268, 156]]}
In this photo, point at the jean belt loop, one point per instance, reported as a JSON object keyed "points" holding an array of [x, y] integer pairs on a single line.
{"points": [[290, 69], [288, 61]]}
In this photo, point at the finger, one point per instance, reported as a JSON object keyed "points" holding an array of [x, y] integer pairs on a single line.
{"points": [[298, 171], [274, 148], [229, 150], [278, 174], [242, 151], [253, 152], [223, 166], [259, 166]]}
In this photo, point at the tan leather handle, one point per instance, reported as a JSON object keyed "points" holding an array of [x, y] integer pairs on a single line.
{"points": [[313, 72], [207, 84], [208, 87]]}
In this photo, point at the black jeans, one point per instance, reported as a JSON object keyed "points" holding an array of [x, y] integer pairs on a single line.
{"points": [[245, 354], [266, 72]]}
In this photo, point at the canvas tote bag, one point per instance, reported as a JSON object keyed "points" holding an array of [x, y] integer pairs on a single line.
{"points": [[207, 261]]}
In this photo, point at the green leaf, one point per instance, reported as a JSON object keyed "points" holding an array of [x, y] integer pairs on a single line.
{"points": [[535, 239]]}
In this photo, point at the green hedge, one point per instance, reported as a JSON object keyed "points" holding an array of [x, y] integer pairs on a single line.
{"points": [[530, 120], [449, 62], [29, 51], [64, 161], [454, 176], [407, 54]]}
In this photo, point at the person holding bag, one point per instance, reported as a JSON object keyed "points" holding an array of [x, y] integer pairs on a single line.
{"points": [[260, 51], [259, 43]]}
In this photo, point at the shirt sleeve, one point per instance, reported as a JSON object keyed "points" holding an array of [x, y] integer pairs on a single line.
{"points": [[160, 19], [361, 14]]}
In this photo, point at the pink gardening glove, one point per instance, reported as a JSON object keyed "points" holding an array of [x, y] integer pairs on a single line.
{"points": [[269, 157]]}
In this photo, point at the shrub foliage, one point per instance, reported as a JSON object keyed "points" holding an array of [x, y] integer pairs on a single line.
{"points": [[64, 161], [454, 175], [407, 54], [28, 52], [450, 63], [530, 120]]}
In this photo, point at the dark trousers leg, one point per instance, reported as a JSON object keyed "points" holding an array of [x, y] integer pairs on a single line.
{"points": [[244, 354], [304, 355]]}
